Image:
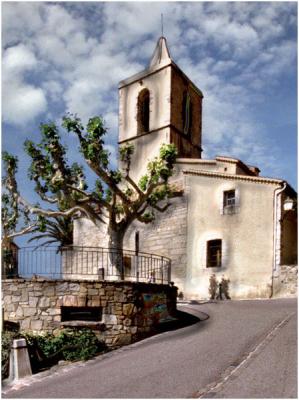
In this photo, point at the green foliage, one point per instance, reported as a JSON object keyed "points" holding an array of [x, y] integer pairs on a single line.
{"points": [[91, 142], [168, 153], [63, 185], [108, 196], [159, 194], [143, 182], [162, 167], [116, 176], [74, 344], [148, 216], [10, 161], [12, 214], [126, 151], [56, 229]]}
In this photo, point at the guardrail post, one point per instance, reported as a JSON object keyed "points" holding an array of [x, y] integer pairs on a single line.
{"points": [[19, 365], [169, 271], [137, 267]]}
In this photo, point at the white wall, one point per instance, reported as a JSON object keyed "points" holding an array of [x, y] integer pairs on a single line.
{"points": [[247, 236]]}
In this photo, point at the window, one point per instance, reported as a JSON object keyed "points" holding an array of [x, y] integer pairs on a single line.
{"points": [[229, 202], [214, 253], [81, 313], [187, 113], [143, 111]]}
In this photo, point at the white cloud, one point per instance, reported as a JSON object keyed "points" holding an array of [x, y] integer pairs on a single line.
{"points": [[21, 101], [18, 59], [74, 55]]}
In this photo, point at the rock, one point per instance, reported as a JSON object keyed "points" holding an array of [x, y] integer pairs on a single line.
{"points": [[36, 325], [49, 291], [93, 292], [44, 302], [128, 309], [62, 287], [7, 299], [127, 322], [24, 295], [81, 301], [109, 319], [19, 312], [29, 311], [54, 311], [123, 339], [70, 301], [74, 287], [33, 301], [25, 324]]}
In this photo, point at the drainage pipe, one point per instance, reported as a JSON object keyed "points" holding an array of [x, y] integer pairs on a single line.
{"points": [[276, 222]]}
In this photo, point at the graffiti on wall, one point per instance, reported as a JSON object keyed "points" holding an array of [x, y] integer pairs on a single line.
{"points": [[155, 307]]}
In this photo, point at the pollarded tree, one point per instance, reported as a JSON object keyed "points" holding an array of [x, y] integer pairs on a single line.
{"points": [[116, 199], [15, 217]]}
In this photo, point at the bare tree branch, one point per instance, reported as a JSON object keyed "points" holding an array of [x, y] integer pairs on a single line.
{"points": [[23, 231]]}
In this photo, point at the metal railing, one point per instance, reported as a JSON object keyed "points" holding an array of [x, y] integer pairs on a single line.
{"points": [[85, 263]]}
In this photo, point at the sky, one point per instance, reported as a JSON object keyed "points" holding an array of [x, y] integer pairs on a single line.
{"points": [[63, 57]]}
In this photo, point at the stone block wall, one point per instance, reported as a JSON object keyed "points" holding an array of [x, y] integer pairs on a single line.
{"points": [[286, 283], [166, 236], [189, 145], [129, 309]]}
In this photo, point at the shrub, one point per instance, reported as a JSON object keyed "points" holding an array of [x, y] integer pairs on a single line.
{"points": [[225, 287], [69, 344], [213, 287]]}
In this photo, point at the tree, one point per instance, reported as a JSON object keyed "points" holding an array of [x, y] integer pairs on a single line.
{"points": [[56, 230], [15, 218], [116, 199]]}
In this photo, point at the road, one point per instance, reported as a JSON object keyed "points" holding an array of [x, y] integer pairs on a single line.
{"points": [[245, 349]]}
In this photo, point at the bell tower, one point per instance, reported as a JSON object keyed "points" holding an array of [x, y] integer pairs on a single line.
{"points": [[160, 105]]}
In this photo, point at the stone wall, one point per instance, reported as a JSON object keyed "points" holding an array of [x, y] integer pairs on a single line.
{"points": [[188, 145], [128, 309], [166, 236], [286, 283]]}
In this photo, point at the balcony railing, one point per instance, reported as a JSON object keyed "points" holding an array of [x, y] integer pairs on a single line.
{"points": [[85, 263]]}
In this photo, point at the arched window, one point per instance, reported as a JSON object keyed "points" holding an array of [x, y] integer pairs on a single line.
{"points": [[143, 111], [187, 112]]}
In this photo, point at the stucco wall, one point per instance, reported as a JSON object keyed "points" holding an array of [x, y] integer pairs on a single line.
{"points": [[128, 309], [247, 236], [146, 148], [158, 85]]}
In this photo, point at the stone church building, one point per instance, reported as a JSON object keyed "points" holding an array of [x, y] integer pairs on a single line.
{"points": [[230, 221]]}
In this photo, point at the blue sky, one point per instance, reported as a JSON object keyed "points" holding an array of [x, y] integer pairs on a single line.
{"points": [[66, 56]]}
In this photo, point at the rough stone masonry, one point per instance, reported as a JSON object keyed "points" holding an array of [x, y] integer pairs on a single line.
{"points": [[128, 309]]}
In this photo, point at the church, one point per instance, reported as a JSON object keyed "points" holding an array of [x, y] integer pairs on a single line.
{"points": [[230, 221]]}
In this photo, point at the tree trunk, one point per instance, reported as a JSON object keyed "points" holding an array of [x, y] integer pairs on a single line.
{"points": [[116, 239]]}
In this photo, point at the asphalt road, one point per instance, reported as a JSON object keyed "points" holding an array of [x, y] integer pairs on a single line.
{"points": [[245, 349]]}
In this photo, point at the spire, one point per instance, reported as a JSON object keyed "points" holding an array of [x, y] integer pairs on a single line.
{"points": [[161, 54]]}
